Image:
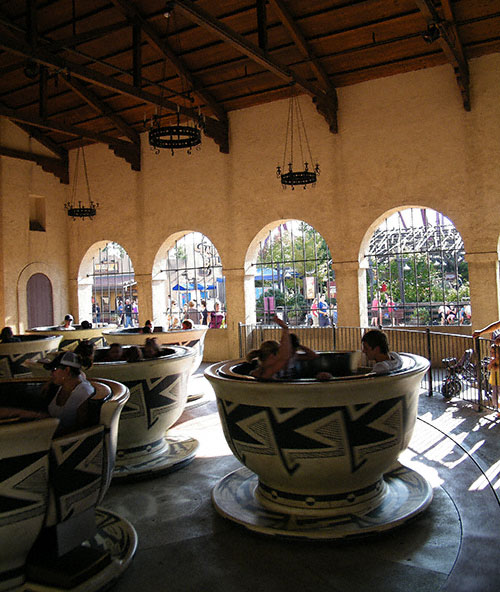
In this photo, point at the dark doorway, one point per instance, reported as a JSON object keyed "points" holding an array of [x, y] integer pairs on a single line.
{"points": [[39, 299]]}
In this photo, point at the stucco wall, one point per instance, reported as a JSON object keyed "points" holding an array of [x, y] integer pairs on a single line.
{"points": [[25, 252], [403, 141]]}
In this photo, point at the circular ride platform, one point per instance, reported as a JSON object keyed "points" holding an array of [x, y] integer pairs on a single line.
{"points": [[406, 494], [173, 453]]}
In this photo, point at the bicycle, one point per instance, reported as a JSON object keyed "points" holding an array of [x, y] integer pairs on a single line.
{"points": [[458, 371]]}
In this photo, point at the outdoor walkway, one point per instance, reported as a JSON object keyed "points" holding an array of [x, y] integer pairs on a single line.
{"points": [[185, 546]]}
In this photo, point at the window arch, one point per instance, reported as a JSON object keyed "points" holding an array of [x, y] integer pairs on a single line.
{"points": [[417, 273], [107, 288], [189, 269], [294, 276]]}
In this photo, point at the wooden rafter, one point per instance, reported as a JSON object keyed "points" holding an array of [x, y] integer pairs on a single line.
{"points": [[326, 108], [117, 145], [155, 40], [218, 28], [449, 41], [56, 166], [101, 107], [42, 56]]}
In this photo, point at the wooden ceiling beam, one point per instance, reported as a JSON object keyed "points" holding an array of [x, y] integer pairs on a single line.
{"points": [[298, 38], [119, 146], [218, 28], [101, 107], [449, 41], [56, 166], [160, 45], [59, 64]]}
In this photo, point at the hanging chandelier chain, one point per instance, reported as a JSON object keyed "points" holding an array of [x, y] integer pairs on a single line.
{"points": [[75, 180], [303, 126], [307, 172], [86, 176], [287, 133]]}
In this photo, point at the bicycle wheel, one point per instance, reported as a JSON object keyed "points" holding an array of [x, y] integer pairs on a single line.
{"points": [[451, 387]]}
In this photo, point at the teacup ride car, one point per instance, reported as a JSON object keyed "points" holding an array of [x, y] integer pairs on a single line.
{"points": [[71, 338], [158, 393], [321, 457], [53, 535], [14, 354], [193, 338]]}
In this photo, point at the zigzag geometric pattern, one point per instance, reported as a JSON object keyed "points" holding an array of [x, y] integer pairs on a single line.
{"points": [[23, 486], [151, 397], [355, 431], [76, 472]]}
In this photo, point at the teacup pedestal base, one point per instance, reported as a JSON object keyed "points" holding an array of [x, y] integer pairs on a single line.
{"points": [[170, 454], [116, 541], [405, 494]]}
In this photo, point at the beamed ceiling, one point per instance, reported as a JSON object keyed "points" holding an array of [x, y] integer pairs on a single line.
{"points": [[77, 72]]}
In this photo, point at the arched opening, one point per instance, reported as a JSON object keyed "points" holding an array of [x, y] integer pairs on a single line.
{"points": [[417, 273], [294, 277], [188, 281], [39, 301], [107, 287]]}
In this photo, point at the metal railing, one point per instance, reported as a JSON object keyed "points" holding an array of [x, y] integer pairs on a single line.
{"points": [[458, 362]]}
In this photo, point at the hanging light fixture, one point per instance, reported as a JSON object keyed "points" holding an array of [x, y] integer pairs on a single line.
{"points": [[81, 210], [180, 135], [296, 136]]}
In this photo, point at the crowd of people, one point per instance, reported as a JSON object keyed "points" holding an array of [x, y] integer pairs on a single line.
{"points": [[214, 319]]}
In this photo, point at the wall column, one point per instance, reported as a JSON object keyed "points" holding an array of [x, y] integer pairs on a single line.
{"points": [[350, 279], [144, 297], [484, 288]]}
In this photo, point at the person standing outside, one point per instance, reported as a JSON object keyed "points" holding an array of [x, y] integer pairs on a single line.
{"points": [[314, 312], [127, 310], [324, 320]]}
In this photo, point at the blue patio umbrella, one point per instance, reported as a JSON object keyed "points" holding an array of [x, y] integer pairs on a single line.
{"points": [[179, 288]]}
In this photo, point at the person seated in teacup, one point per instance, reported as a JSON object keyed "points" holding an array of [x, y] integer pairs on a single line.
{"points": [[67, 394], [7, 336], [148, 327], [133, 353], [187, 324], [375, 346], [67, 324], [272, 357], [85, 325], [115, 353], [151, 348], [86, 350]]}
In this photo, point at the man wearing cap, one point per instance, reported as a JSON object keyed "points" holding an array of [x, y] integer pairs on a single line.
{"points": [[66, 326]]}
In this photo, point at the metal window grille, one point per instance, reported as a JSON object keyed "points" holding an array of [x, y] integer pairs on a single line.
{"points": [[417, 271], [293, 270], [193, 271], [113, 283]]}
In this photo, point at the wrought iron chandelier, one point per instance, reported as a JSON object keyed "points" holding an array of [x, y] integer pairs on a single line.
{"points": [[174, 137], [296, 136], [81, 210], [180, 135]]}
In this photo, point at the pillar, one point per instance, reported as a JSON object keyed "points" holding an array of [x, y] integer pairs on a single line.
{"points": [[350, 279], [145, 297], [484, 288]]}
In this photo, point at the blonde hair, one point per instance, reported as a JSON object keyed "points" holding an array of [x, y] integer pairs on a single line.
{"points": [[265, 350]]}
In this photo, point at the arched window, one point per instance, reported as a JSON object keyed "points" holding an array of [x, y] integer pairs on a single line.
{"points": [[294, 276], [190, 271], [113, 286], [417, 271]]}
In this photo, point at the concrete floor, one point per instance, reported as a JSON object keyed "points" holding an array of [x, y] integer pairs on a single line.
{"points": [[185, 546]]}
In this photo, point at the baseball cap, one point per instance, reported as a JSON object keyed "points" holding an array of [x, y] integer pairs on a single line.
{"points": [[63, 359]]}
